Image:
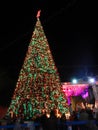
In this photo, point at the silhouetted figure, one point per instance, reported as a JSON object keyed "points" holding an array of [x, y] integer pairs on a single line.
{"points": [[75, 118], [83, 117], [17, 124], [96, 119], [91, 124], [50, 123], [43, 121], [62, 123], [38, 125]]}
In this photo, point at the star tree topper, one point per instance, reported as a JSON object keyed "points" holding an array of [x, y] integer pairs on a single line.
{"points": [[38, 14]]}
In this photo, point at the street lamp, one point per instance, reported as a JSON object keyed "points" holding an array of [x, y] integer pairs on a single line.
{"points": [[91, 80], [74, 81]]}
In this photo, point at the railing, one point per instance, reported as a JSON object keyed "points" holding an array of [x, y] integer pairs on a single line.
{"points": [[19, 125], [26, 125]]}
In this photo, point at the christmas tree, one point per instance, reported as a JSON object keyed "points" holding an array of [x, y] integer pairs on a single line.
{"points": [[38, 87]]}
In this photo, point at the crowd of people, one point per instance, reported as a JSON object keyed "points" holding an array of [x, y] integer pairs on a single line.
{"points": [[85, 119]]}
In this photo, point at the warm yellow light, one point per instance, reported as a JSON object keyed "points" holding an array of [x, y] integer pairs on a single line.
{"points": [[67, 115], [48, 115], [59, 115]]}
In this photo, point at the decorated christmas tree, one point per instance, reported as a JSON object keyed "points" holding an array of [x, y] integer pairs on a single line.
{"points": [[38, 87]]}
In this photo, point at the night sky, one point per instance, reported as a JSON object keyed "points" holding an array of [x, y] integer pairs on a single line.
{"points": [[70, 27]]}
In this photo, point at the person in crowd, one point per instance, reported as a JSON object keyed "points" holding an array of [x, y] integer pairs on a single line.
{"points": [[37, 121], [91, 123], [31, 125], [17, 124], [62, 123], [43, 121], [83, 117], [50, 123], [96, 119], [74, 118]]}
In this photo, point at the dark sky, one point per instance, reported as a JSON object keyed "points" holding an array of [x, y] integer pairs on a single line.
{"points": [[70, 27]]}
